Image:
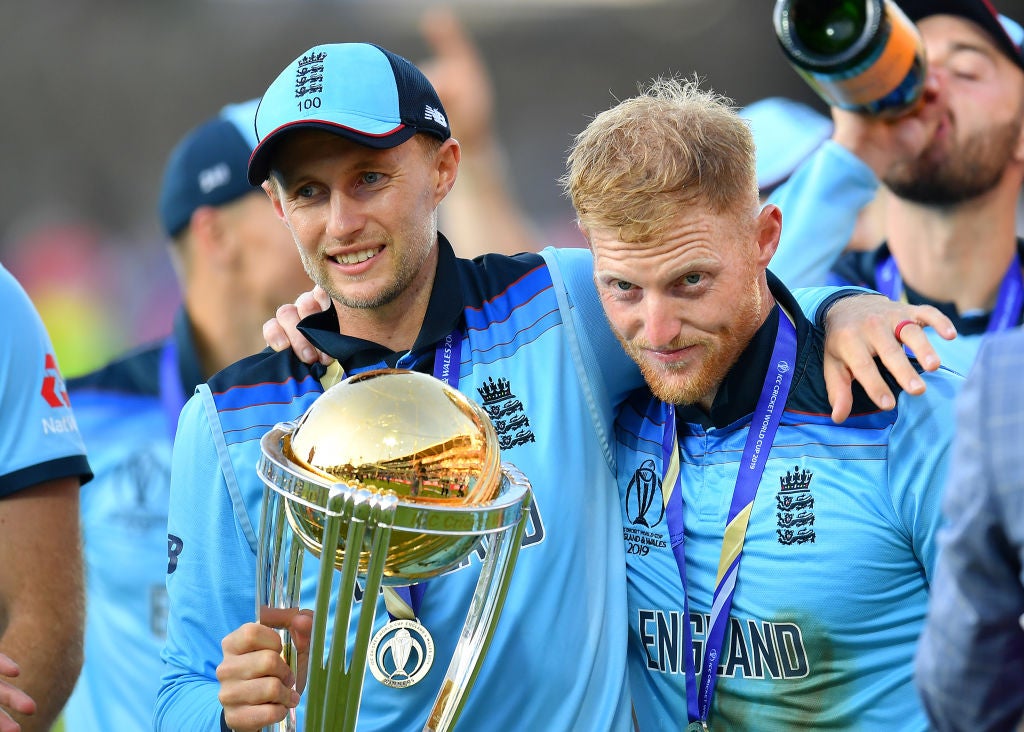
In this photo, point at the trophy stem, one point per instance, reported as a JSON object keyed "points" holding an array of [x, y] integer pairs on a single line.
{"points": [[318, 670], [488, 599], [345, 701]]}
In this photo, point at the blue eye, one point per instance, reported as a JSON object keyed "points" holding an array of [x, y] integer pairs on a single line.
{"points": [[624, 286], [372, 178], [693, 278]]}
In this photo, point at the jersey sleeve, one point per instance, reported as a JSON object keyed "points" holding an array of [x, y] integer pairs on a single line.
{"points": [[815, 301], [918, 461], [820, 203], [206, 550], [602, 350], [607, 374], [42, 442]]}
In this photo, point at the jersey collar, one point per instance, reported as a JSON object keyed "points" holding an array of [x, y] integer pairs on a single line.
{"points": [[190, 371]]}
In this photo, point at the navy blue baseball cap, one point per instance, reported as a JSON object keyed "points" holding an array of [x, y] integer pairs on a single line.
{"points": [[359, 91], [208, 166], [1006, 32]]}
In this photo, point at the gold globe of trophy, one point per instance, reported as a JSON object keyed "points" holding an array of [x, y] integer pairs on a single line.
{"points": [[392, 477]]}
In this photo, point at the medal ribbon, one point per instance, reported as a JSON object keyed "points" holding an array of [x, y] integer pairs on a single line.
{"points": [[1009, 300], [765, 423]]}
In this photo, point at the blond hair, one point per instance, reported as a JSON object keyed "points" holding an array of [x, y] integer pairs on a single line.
{"points": [[673, 144]]}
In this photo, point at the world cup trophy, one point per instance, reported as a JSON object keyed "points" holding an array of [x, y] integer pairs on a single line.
{"points": [[390, 478]]}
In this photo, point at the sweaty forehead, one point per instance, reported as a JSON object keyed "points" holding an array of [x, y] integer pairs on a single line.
{"points": [[703, 237]]}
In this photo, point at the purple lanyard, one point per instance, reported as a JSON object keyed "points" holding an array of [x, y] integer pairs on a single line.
{"points": [[447, 368], [172, 393], [1009, 300], [764, 425]]}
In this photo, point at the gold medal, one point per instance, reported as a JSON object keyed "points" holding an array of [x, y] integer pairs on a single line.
{"points": [[401, 653]]}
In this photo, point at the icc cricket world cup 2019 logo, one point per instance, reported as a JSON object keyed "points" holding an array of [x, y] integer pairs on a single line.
{"points": [[645, 509], [644, 488]]}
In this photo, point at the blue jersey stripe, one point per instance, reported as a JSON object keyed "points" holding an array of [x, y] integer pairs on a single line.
{"points": [[267, 392], [497, 351], [519, 296]]}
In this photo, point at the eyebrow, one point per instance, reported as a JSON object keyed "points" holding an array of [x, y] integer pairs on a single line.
{"points": [[961, 46]]}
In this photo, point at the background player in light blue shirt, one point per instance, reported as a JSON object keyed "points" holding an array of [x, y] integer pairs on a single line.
{"points": [[777, 563], [42, 464]]}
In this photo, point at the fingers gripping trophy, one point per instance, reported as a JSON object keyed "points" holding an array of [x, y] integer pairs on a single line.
{"points": [[389, 479]]}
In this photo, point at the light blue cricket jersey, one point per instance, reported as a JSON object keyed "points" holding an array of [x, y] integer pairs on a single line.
{"points": [[834, 574], [128, 411], [534, 336], [41, 442]]}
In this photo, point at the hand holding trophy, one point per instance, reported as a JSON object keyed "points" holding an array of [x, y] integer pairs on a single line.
{"points": [[391, 477]]}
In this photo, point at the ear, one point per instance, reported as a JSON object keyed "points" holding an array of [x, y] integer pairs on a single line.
{"points": [[271, 189], [211, 245], [446, 161], [1018, 150], [585, 232], [768, 229]]}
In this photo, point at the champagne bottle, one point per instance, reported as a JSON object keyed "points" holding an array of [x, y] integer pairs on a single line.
{"points": [[861, 55]]}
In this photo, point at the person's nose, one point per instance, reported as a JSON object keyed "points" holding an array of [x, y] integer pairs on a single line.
{"points": [[346, 217], [661, 327], [935, 81]]}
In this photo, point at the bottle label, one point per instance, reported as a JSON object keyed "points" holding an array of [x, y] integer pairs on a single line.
{"points": [[880, 75]]}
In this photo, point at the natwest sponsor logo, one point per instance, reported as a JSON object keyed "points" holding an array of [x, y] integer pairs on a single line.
{"points": [[54, 391], [58, 425], [56, 395]]}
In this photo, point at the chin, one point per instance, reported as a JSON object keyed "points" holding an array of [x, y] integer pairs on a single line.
{"points": [[694, 384], [670, 386]]}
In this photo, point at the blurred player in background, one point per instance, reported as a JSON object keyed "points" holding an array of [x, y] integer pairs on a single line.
{"points": [[236, 262], [952, 169]]}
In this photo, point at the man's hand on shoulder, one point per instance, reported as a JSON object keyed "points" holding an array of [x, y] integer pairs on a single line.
{"points": [[862, 327]]}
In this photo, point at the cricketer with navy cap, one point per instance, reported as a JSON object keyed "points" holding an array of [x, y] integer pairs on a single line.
{"points": [[222, 234], [355, 153]]}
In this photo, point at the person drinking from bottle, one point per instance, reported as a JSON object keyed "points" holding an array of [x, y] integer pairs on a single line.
{"points": [[953, 169]]}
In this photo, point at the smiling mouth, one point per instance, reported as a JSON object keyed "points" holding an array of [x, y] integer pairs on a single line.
{"points": [[356, 257]]}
